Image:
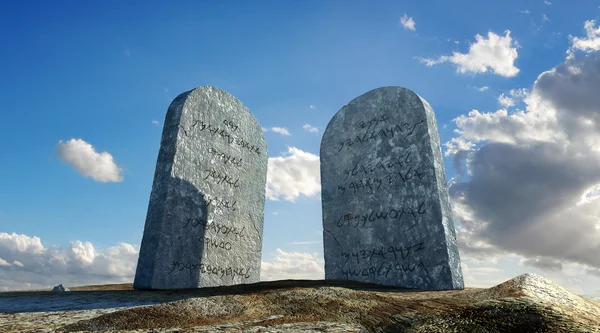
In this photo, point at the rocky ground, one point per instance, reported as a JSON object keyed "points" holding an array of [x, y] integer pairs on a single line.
{"points": [[528, 303]]}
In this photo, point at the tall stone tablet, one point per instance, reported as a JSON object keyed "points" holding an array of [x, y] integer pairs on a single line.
{"points": [[386, 213], [205, 218]]}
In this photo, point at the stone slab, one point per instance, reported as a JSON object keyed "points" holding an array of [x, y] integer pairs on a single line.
{"points": [[205, 216], [386, 211]]}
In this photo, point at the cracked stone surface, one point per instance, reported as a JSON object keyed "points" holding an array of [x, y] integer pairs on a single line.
{"points": [[205, 217], [386, 211]]}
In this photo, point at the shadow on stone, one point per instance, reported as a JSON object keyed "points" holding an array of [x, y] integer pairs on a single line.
{"points": [[174, 235]]}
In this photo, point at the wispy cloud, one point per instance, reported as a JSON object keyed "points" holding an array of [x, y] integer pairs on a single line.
{"points": [[408, 23], [127, 52], [155, 122], [305, 243], [310, 128], [84, 159], [312, 107], [281, 130], [505, 101], [484, 88]]}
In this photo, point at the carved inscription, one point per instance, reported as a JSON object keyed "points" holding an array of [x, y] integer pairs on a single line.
{"points": [[372, 177], [356, 220], [389, 164], [384, 269], [219, 202], [225, 158], [220, 178], [222, 272], [217, 228], [389, 132], [382, 252], [213, 235]]}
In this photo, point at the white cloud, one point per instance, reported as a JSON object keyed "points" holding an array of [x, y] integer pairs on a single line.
{"points": [[281, 130], [310, 128], [589, 43], [293, 174], [312, 107], [519, 93], [505, 101], [275, 213], [525, 11], [4, 262], [36, 266], [457, 144], [484, 88], [408, 23], [155, 122], [84, 159], [534, 170], [547, 2], [495, 54], [292, 265]]}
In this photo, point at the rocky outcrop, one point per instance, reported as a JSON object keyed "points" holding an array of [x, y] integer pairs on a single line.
{"points": [[60, 289], [528, 303]]}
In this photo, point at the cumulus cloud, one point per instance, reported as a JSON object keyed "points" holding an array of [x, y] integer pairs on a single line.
{"points": [[310, 128], [533, 176], [292, 175], [84, 159], [408, 23], [458, 144], [292, 265], [27, 264], [279, 130], [496, 54]]}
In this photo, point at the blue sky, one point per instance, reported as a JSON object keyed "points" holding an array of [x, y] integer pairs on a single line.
{"points": [[84, 79]]}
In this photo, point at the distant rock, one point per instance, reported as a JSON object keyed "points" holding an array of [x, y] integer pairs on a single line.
{"points": [[60, 289]]}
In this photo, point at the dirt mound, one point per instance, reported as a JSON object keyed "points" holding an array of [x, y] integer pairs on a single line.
{"points": [[528, 303]]}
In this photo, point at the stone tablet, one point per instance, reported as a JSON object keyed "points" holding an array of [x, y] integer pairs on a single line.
{"points": [[386, 213], [205, 217]]}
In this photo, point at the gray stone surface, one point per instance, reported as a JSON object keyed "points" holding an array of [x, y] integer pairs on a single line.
{"points": [[205, 217], [60, 289], [386, 213]]}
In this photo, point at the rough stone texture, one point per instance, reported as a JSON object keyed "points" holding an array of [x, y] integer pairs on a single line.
{"points": [[386, 213], [60, 289], [528, 303], [205, 217]]}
